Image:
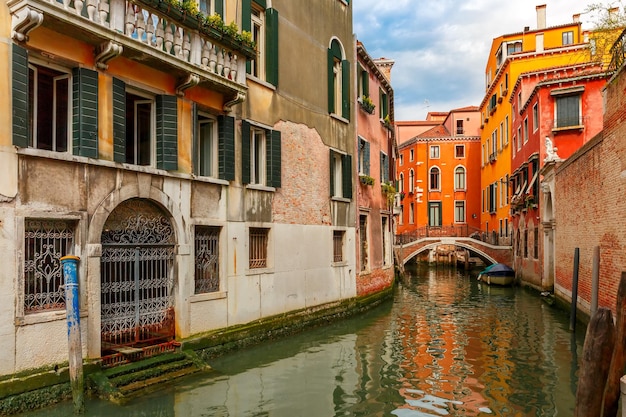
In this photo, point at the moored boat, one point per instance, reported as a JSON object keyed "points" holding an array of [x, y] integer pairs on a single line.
{"points": [[497, 274]]}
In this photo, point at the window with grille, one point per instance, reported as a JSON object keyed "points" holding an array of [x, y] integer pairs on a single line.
{"points": [[338, 245], [45, 242], [258, 247], [207, 276]]}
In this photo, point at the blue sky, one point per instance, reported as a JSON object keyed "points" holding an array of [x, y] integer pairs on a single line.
{"points": [[440, 47]]}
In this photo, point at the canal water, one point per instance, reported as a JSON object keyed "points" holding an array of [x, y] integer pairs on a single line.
{"points": [[445, 345]]}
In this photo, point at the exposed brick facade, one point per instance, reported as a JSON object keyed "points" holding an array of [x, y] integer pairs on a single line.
{"points": [[590, 207]]}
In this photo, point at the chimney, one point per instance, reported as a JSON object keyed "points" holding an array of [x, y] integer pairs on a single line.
{"points": [[576, 18], [384, 65], [541, 16]]}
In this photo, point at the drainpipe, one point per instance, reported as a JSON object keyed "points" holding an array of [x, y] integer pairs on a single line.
{"points": [[73, 331]]}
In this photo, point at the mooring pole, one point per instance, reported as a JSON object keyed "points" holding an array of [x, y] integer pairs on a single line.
{"points": [[73, 331], [595, 279], [572, 317]]}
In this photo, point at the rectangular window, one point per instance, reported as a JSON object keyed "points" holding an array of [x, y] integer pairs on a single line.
{"points": [[519, 138], [384, 104], [434, 151], [411, 213], [401, 159], [459, 211], [209, 7], [526, 243], [568, 111], [364, 246], [536, 245], [434, 213], [363, 84], [526, 130], [535, 117], [257, 156], [340, 175], [259, 239], [384, 168], [207, 148], [139, 129], [49, 95], [45, 242], [459, 151], [411, 155], [513, 47], [459, 127], [494, 143], [364, 157], [338, 237], [385, 239], [260, 155], [568, 37], [206, 257], [506, 130], [258, 36]]}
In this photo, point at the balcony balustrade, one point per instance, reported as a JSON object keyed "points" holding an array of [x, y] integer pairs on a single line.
{"points": [[156, 33]]}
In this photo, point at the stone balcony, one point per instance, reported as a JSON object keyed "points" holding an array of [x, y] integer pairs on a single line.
{"points": [[152, 32]]}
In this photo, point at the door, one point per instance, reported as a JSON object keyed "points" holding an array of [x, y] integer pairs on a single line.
{"points": [[137, 304]]}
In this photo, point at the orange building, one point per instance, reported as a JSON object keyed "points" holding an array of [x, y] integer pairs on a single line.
{"points": [[511, 55], [438, 175]]}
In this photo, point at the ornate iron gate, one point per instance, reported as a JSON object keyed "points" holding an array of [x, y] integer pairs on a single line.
{"points": [[137, 304]]}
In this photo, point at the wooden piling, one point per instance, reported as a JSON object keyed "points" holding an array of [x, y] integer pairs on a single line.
{"points": [[616, 370], [599, 344]]}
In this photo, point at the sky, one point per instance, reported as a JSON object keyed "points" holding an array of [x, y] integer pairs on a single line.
{"points": [[440, 47]]}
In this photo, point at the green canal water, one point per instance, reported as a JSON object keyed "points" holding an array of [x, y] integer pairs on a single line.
{"points": [[445, 345]]}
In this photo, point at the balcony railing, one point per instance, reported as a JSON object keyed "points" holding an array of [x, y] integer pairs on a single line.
{"points": [[153, 32], [618, 52]]}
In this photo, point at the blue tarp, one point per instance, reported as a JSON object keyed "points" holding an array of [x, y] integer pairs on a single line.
{"points": [[498, 270]]}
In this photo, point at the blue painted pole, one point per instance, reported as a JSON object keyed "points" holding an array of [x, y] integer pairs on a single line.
{"points": [[75, 349]]}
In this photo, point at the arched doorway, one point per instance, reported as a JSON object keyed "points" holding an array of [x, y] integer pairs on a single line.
{"points": [[137, 278]]}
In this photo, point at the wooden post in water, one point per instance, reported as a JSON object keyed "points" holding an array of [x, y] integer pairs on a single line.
{"points": [[572, 316], [75, 346], [612, 391], [594, 369], [595, 280]]}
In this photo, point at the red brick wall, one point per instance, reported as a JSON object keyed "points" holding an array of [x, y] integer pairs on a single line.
{"points": [[590, 200]]}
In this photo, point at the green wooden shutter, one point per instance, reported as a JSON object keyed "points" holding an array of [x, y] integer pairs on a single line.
{"points": [[85, 112], [273, 165], [331, 84], [332, 173], [346, 175], [226, 147], [167, 132], [345, 89], [119, 120], [271, 46], [219, 8], [20, 96], [384, 167], [366, 158], [246, 24], [365, 83], [245, 152]]}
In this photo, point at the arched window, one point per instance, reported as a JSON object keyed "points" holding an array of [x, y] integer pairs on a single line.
{"points": [[401, 183], [338, 80], [411, 180], [459, 178], [434, 178]]}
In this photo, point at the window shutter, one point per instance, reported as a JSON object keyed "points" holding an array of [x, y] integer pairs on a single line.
{"points": [[332, 173], [365, 83], [119, 120], [226, 147], [85, 112], [274, 158], [245, 152], [195, 145], [246, 24], [271, 42], [167, 132], [331, 83], [20, 96], [345, 89], [366, 158], [346, 175], [219, 8]]}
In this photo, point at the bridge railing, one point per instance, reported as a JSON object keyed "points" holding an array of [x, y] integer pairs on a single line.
{"points": [[454, 230]]}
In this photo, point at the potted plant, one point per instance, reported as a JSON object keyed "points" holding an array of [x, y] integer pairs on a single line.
{"points": [[389, 191], [366, 179], [367, 104]]}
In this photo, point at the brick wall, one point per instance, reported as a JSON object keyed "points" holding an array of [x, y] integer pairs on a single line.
{"points": [[590, 199]]}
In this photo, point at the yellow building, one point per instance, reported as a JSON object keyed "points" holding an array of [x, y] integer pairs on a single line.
{"points": [[511, 55]]}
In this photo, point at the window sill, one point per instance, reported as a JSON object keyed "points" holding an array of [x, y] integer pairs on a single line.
{"points": [[260, 187], [44, 317], [197, 298], [341, 199], [566, 128], [259, 271], [339, 118], [339, 264]]}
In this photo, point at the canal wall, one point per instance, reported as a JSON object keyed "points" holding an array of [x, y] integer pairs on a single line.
{"points": [[38, 388], [589, 208]]}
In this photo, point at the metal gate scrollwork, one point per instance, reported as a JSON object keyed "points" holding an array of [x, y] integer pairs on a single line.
{"points": [[137, 281]]}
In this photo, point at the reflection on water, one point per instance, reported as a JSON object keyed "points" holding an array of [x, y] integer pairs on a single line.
{"points": [[446, 345]]}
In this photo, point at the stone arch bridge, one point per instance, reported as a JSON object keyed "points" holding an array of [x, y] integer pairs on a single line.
{"points": [[486, 251]]}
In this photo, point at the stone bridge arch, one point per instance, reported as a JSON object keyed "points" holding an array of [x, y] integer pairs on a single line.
{"points": [[491, 253]]}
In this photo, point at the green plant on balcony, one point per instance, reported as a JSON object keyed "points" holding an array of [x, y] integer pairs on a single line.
{"points": [[389, 191], [367, 104], [366, 179], [387, 122]]}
